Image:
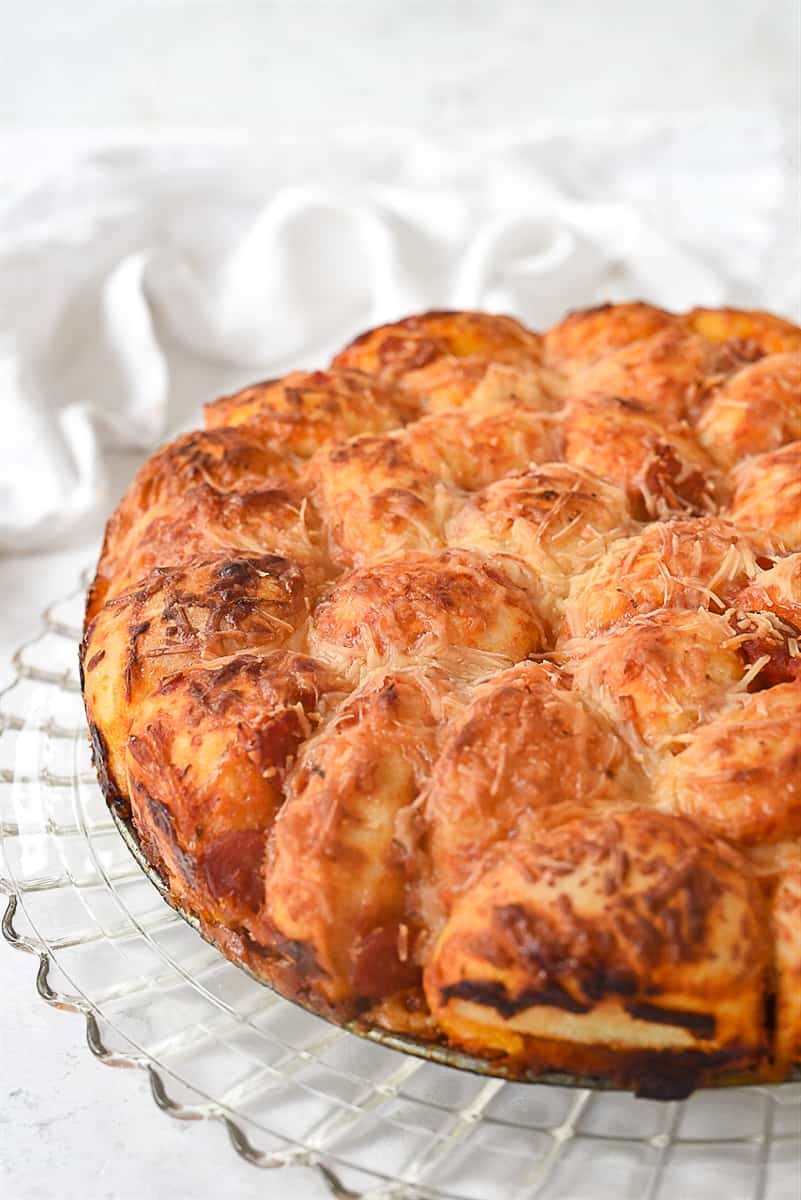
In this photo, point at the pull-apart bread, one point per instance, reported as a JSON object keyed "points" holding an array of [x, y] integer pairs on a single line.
{"points": [[455, 689]]}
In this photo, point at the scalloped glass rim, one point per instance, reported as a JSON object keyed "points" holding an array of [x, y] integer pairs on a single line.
{"points": [[288, 1087]]}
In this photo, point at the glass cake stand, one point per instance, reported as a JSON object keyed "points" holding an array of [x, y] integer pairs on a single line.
{"points": [[288, 1087]]}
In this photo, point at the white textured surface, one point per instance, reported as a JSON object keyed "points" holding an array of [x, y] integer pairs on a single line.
{"points": [[438, 64], [69, 1127], [137, 282]]}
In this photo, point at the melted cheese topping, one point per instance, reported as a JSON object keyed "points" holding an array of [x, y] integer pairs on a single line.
{"points": [[556, 519], [658, 462], [307, 410], [777, 589], [473, 451], [658, 675], [740, 772], [767, 494], [528, 750], [205, 521], [207, 463], [378, 500], [436, 606], [206, 758], [635, 926], [671, 564], [666, 374], [456, 686], [176, 618], [756, 410], [443, 357], [352, 783]]}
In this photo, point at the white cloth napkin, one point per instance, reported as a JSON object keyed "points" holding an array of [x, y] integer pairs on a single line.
{"points": [[141, 278]]}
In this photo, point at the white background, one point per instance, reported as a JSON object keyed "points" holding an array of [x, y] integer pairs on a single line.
{"points": [[69, 1127], [309, 64]]}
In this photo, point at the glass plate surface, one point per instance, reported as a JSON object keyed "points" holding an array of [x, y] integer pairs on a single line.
{"points": [[290, 1088]]}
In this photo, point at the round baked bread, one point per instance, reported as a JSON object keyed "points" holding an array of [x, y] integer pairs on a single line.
{"points": [[455, 689]]}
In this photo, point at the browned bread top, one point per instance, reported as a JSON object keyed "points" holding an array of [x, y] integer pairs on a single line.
{"points": [[457, 687]]}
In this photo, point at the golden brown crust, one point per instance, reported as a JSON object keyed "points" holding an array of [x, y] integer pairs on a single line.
{"points": [[658, 675], [186, 496], [768, 333], [628, 934], [658, 462], [307, 410], [177, 617], [756, 410], [767, 494], [205, 521], [556, 520], [589, 334], [206, 757], [380, 495], [667, 374], [528, 750], [454, 606], [671, 564], [442, 356], [740, 773], [471, 452], [786, 920], [457, 687], [346, 914], [377, 500]]}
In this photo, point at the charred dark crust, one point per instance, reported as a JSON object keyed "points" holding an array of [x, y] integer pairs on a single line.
{"points": [[100, 758], [494, 995], [650, 1074], [162, 831], [300, 954], [700, 1025], [674, 1075], [594, 309]]}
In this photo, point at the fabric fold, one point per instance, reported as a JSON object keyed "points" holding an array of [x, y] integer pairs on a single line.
{"points": [[137, 281]]}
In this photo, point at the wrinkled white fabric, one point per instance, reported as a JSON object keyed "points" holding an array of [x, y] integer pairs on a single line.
{"points": [[140, 279]]}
